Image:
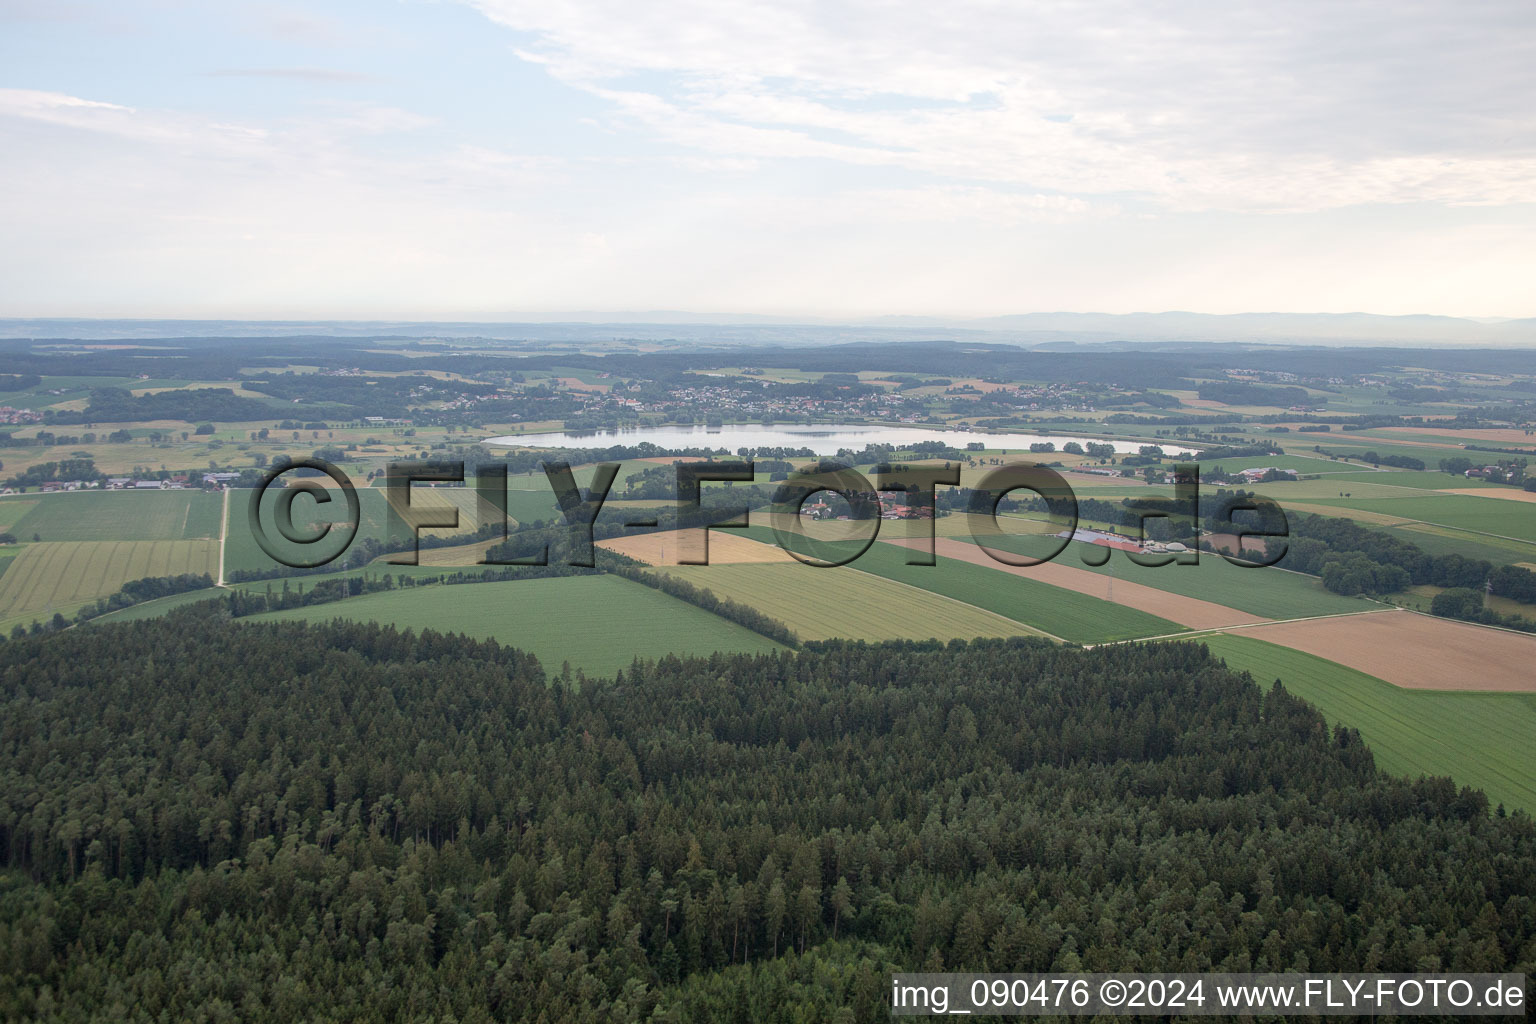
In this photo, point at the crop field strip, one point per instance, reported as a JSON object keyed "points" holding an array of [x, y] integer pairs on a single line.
{"points": [[1428, 479], [1498, 494], [1412, 650], [242, 551], [823, 604], [12, 510], [1478, 739], [163, 605], [1475, 515], [121, 515], [1184, 610], [1285, 491], [1265, 592], [666, 547], [600, 624], [58, 576], [1074, 617]]}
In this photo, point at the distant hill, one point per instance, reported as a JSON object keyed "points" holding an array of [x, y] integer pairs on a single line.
{"points": [[1047, 330]]}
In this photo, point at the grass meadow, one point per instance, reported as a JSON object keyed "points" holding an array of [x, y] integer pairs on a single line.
{"points": [[598, 623]]}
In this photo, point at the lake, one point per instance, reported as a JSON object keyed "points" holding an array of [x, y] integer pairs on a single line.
{"points": [[823, 439]]}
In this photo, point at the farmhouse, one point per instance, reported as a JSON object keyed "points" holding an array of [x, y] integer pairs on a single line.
{"points": [[894, 506], [1261, 472]]}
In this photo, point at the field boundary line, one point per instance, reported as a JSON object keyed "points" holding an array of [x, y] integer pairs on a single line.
{"points": [[886, 579], [223, 536], [1466, 622], [1196, 634]]}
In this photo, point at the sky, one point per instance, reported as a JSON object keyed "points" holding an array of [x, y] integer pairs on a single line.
{"points": [[819, 158]]}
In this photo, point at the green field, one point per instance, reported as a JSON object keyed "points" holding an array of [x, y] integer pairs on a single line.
{"points": [[13, 510], [1075, 617], [1426, 480], [1354, 446], [119, 515], [1478, 739], [1496, 516], [1442, 540], [244, 553], [819, 604], [1376, 485], [162, 605], [1301, 463], [60, 576], [597, 623]]}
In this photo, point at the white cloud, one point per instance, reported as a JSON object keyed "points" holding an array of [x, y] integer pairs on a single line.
{"points": [[825, 158], [1228, 106]]}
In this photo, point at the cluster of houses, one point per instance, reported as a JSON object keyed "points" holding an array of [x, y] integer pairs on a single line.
{"points": [[123, 483], [892, 506], [1258, 473], [127, 483], [9, 415], [1492, 472]]}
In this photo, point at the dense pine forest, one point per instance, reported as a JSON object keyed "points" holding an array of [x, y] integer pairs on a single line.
{"points": [[205, 820]]}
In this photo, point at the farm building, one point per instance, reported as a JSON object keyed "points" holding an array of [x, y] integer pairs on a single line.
{"points": [[1260, 472], [1099, 537]]}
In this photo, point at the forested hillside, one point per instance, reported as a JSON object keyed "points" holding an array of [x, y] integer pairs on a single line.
{"points": [[205, 820]]}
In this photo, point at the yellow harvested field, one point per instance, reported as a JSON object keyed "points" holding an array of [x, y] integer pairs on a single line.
{"points": [[668, 546], [822, 604], [1509, 494], [1412, 650], [457, 555], [577, 384], [986, 387], [1503, 434]]}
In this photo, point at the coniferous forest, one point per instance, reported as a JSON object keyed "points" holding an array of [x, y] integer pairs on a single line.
{"points": [[204, 820]]}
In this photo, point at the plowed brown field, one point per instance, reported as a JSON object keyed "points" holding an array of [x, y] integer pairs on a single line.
{"points": [[1418, 652]]}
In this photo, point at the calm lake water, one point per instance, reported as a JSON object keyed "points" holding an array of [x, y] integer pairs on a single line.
{"points": [[823, 439]]}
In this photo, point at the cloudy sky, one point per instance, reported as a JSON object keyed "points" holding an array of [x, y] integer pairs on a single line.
{"points": [[817, 158]]}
